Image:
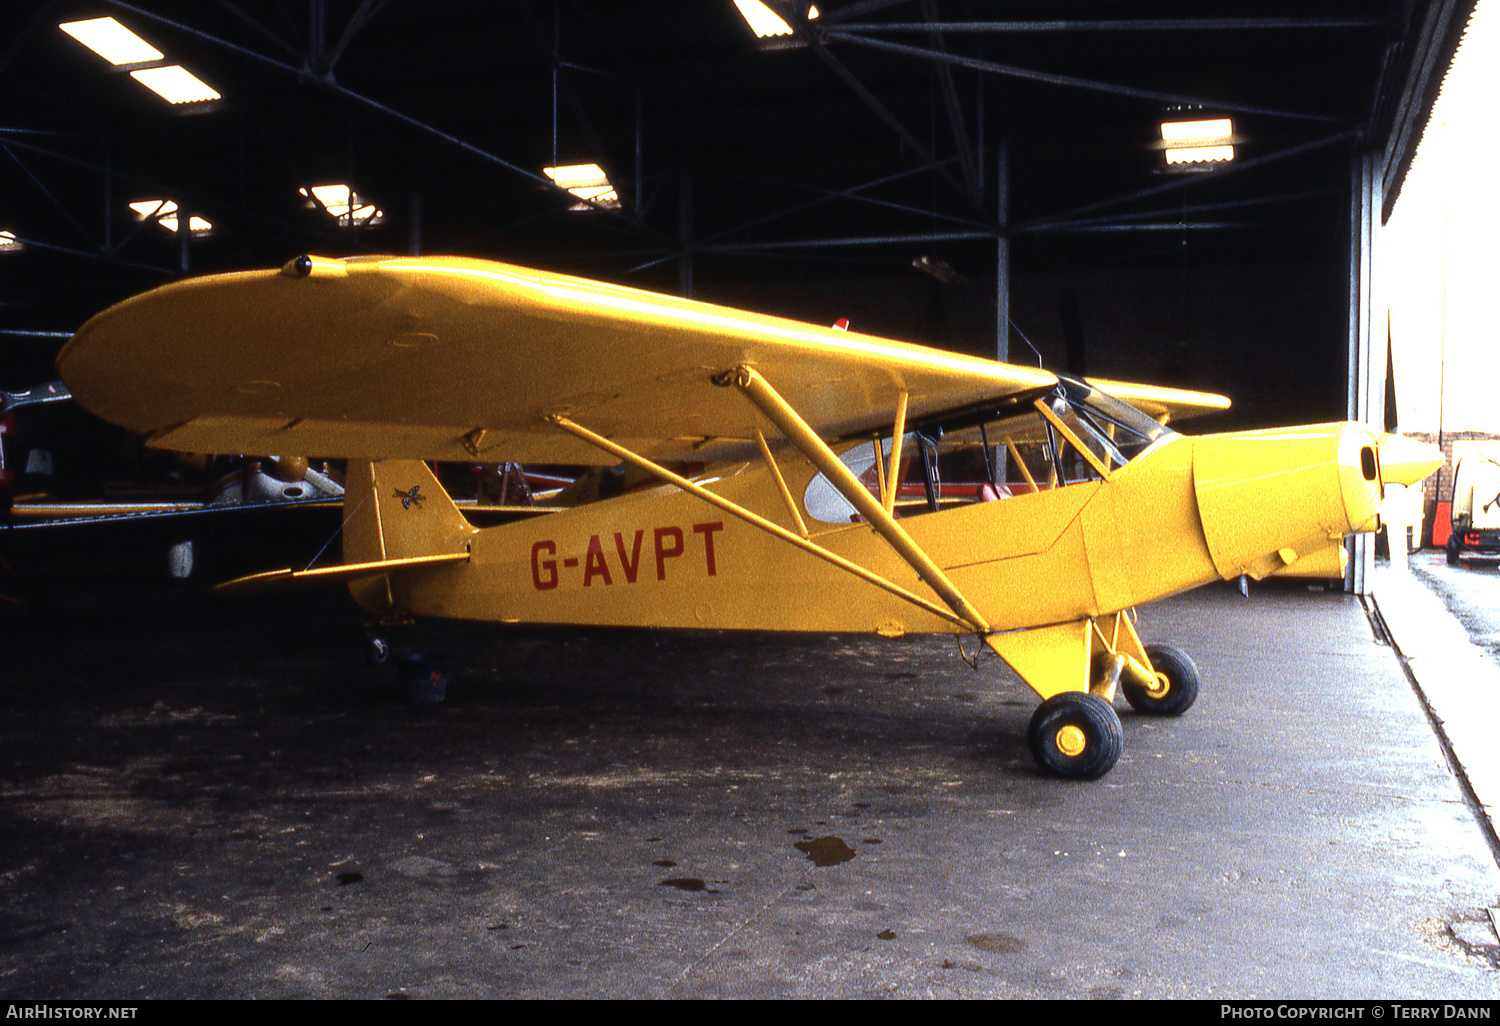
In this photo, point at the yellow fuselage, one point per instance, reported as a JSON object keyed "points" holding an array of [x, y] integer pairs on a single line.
{"points": [[1186, 512]]}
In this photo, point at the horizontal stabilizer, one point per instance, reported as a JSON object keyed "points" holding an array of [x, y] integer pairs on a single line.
{"points": [[340, 572]]}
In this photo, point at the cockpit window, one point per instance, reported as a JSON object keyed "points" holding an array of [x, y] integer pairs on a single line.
{"points": [[823, 501], [1130, 430], [1007, 450]]}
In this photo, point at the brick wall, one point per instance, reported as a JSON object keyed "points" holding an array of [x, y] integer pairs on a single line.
{"points": [[1439, 487]]}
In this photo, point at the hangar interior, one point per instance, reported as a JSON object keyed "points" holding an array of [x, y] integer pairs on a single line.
{"points": [[931, 173], [1001, 180]]}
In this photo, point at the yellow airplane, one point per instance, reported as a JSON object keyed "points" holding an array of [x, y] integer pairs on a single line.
{"points": [[782, 477]]}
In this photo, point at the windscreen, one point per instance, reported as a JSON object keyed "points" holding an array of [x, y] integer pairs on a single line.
{"points": [[1002, 452], [1129, 431]]}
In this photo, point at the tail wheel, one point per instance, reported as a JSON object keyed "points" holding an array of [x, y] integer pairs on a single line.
{"points": [[1176, 679], [1077, 735]]}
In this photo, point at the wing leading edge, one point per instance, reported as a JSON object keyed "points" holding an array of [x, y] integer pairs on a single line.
{"points": [[457, 359]]}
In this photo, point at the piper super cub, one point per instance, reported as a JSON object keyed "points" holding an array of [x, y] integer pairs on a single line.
{"points": [[786, 476]]}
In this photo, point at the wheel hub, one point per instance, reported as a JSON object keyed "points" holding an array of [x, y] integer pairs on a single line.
{"points": [[1071, 741], [1161, 687]]}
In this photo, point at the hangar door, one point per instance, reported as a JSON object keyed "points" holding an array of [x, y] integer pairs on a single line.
{"points": [[1437, 266]]}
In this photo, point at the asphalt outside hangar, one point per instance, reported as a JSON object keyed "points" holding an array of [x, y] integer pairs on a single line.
{"points": [[210, 796]]}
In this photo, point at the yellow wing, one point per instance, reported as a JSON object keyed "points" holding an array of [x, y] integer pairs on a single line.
{"points": [[1167, 405], [454, 359]]}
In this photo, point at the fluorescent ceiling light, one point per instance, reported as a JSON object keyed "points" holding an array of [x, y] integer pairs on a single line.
{"points": [[587, 182], [175, 84], [153, 208], [9, 243], [763, 21], [1198, 142], [1199, 154], [164, 213], [112, 41], [577, 176], [345, 204], [1212, 129]]}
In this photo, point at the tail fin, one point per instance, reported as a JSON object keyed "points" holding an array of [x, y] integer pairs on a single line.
{"points": [[396, 509]]}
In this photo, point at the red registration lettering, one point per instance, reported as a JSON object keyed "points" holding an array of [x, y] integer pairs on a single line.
{"points": [[631, 563], [544, 571], [595, 566], [663, 553], [707, 530], [669, 543]]}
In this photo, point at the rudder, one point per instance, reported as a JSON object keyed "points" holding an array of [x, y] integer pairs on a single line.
{"points": [[395, 509]]}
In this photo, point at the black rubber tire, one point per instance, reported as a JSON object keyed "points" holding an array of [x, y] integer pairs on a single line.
{"points": [[1097, 722], [1453, 559], [1182, 683], [377, 650]]}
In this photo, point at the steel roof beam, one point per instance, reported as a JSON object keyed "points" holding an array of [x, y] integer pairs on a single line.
{"points": [[38, 19], [1118, 25], [1189, 180], [362, 17], [62, 207], [198, 203], [955, 112], [364, 101], [1067, 81], [828, 195], [884, 113], [101, 255], [1091, 229], [1197, 208], [563, 90], [257, 26], [868, 240], [808, 34], [854, 10]]}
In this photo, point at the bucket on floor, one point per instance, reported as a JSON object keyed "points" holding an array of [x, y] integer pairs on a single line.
{"points": [[424, 678]]}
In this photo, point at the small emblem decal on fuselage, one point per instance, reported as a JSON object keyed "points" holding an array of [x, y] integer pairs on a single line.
{"points": [[411, 497]]}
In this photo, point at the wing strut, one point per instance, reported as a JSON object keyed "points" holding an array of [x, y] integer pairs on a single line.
{"points": [[893, 476], [786, 493], [734, 509], [769, 402]]}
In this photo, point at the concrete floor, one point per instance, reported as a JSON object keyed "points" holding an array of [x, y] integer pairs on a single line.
{"points": [[220, 801], [1445, 625], [1470, 591]]}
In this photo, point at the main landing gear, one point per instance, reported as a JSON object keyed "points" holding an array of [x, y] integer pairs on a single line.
{"points": [[1176, 683], [1077, 734]]}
